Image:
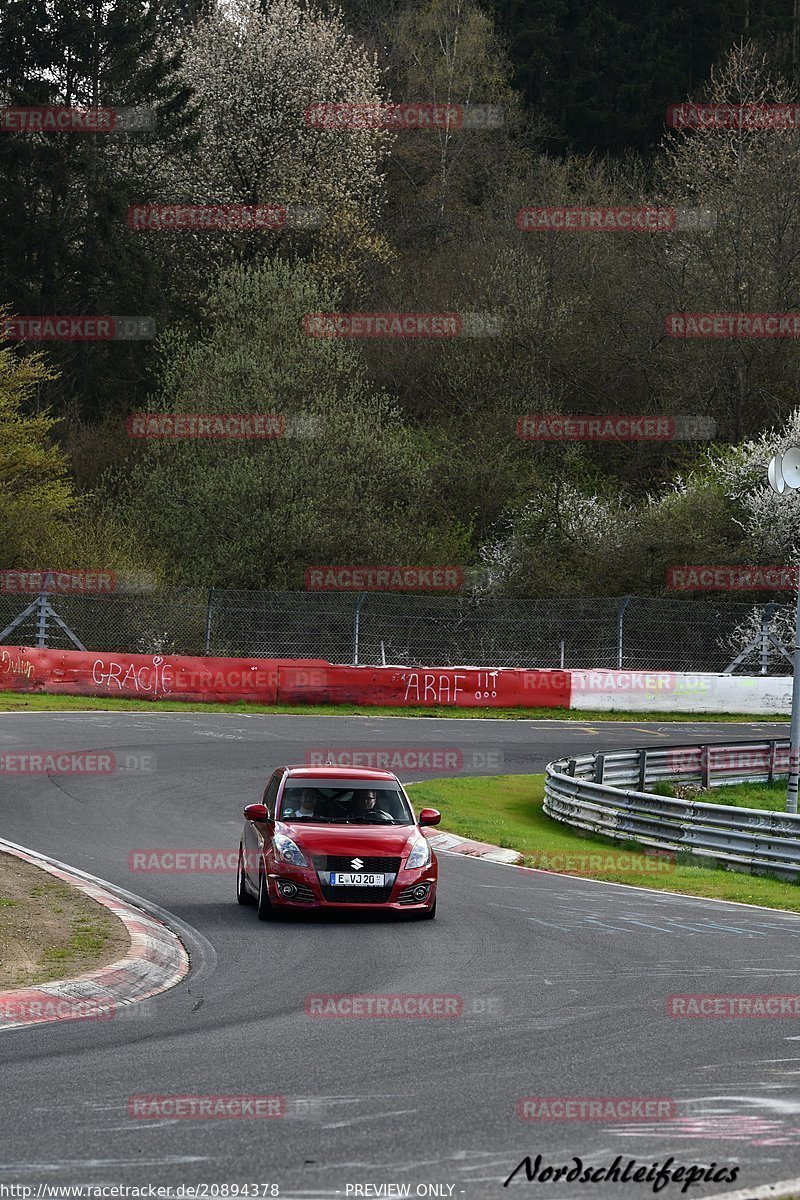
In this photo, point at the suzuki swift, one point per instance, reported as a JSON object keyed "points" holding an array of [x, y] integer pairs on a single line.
{"points": [[336, 838]]}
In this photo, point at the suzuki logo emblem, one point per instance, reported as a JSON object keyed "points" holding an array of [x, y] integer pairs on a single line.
{"points": [[356, 863]]}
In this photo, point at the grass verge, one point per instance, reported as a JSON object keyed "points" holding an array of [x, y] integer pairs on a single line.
{"points": [[507, 811], [739, 795], [37, 702], [50, 930]]}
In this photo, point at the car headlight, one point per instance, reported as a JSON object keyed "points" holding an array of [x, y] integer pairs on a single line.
{"points": [[286, 850], [420, 854]]}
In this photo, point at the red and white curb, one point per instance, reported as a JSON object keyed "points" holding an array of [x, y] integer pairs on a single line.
{"points": [[156, 961], [451, 843]]}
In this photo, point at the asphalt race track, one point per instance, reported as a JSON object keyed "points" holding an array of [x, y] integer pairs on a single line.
{"points": [[564, 985]]}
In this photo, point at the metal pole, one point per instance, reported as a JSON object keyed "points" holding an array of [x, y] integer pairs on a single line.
{"points": [[766, 621], [42, 612], [41, 621], [794, 735], [208, 622], [357, 624], [623, 604]]}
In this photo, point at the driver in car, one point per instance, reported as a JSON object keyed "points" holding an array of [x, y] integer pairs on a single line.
{"points": [[307, 803], [365, 805]]}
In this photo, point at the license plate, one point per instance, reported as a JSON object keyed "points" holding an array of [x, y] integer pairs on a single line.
{"points": [[348, 879]]}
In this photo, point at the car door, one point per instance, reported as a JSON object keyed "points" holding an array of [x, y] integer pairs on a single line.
{"points": [[254, 833]]}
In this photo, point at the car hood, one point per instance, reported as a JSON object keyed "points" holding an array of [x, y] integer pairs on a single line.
{"points": [[349, 839]]}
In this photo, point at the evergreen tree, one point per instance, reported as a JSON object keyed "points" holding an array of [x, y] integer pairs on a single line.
{"points": [[66, 246], [604, 72]]}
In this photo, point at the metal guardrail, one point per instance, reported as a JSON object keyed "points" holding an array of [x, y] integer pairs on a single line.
{"points": [[606, 794]]}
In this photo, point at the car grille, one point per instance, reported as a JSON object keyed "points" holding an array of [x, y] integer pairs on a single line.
{"points": [[356, 895], [343, 862], [407, 895]]}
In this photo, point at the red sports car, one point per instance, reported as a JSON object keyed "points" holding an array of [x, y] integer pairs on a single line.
{"points": [[336, 838]]}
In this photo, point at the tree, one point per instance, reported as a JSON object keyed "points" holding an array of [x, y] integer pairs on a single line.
{"points": [[35, 492], [256, 71], [350, 483], [64, 196], [447, 52], [43, 521], [750, 262], [603, 73]]}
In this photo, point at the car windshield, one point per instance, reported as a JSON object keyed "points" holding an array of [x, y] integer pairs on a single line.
{"points": [[345, 803]]}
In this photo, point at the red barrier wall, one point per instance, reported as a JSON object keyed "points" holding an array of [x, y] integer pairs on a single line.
{"points": [[431, 687], [148, 676], [297, 681]]}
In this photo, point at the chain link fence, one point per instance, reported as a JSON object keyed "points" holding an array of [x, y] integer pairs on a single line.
{"points": [[629, 633]]}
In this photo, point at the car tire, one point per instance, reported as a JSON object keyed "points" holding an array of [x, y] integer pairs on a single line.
{"points": [[430, 914], [264, 909], [242, 894]]}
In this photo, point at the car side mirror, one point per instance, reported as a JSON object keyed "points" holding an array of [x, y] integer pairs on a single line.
{"points": [[255, 812], [429, 816]]}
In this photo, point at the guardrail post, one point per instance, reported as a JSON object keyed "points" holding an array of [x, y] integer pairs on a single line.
{"points": [[642, 768], [572, 764], [599, 767], [773, 749], [704, 767]]}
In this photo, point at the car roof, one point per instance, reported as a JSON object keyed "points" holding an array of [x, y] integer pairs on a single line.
{"points": [[330, 772]]}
